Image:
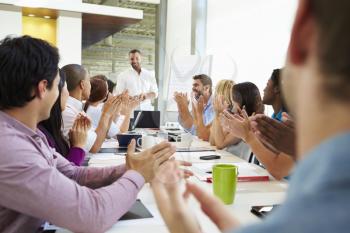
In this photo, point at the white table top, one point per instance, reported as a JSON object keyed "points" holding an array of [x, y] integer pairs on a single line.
{"points": [[247, 195]]}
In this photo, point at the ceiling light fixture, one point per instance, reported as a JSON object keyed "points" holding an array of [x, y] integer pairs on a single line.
{"points": [[31, 15], [47, 17]]}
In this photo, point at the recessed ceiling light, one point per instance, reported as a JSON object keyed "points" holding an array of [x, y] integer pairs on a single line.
{"points": [[47, 17], [31, 15]]}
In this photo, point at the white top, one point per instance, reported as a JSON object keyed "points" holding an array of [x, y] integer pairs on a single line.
{"points": [[137, 84], [73, 108], [95, 112], [241, 150]]}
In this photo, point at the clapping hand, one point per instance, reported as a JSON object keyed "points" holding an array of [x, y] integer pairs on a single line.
{"points": [[219, 104], [198, 105], [112, 106], [173, 203], [181, 99], [79, 131], [237, 124], [280, 135], [142, 97], [149, 160]]}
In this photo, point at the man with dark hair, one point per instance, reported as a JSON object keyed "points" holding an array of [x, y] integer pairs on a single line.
{"points": [[138, 81], [273, 95], [199, 122], [316, 84], [11, 94], [36, 182]]}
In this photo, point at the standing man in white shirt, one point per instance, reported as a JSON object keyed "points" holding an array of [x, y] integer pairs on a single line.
{"points": [[138, 81]]}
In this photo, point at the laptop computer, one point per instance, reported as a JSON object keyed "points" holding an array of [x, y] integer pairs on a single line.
{"points": [[146, 119]]}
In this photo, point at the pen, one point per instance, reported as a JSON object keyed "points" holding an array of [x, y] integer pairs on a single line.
{"points": [[244, 179]]}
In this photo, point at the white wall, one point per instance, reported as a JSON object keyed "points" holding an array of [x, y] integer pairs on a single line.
{"points": [[10, 21], [254, 32], [69, 33]]}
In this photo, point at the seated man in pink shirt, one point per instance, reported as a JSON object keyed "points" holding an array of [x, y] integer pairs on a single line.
{"points": [[36, 182]]}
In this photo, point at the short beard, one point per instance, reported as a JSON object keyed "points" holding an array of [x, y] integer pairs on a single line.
{"points": [[135, 67]]}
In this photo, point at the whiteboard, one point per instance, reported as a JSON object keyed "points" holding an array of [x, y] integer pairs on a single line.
{"points": [[182, 70]]}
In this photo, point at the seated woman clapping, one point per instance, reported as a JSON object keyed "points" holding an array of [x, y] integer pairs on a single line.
{"points": [[278, 164], [231, 97], [100, 98], [51, 127]]}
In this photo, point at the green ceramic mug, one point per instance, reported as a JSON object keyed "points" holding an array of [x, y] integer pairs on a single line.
{"points": [[224, 182]]}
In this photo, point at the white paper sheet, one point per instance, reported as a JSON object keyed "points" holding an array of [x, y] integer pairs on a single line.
{"points": [[110, 143]]}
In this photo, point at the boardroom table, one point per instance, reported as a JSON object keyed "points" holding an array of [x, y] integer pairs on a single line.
{"points": [[248, 194]]}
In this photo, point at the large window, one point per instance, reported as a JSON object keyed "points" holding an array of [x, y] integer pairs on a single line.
{"points": [[254, 33]]}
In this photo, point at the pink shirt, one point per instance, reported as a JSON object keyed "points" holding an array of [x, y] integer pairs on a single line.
{"points": [[38, 184]]}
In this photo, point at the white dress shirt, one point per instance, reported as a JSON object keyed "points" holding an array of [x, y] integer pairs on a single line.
{"points": [[137, 84], [73, 108], [95, 112]]}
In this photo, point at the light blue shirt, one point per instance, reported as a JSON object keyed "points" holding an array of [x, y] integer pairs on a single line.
{"points": [[208, 116], [277, 116], [318, 198]]}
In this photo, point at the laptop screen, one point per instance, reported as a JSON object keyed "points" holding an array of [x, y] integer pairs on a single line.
{"points": [[146, 119]]}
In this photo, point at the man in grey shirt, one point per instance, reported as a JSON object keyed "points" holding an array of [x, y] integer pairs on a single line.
{"points": [[316, 85]]}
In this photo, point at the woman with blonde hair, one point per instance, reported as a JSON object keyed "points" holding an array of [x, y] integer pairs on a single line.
{"points": [[243, 95], [222, 100]]}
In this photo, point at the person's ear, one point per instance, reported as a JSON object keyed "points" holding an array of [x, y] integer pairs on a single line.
{"points": [[81, 84], [42, 88], [276, 90], [303, 34]]}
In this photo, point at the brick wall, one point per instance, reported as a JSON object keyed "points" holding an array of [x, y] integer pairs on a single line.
{"points": [[110, 56]]}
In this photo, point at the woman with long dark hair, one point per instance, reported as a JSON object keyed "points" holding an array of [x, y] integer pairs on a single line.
{"points": [[51, 127], [248, 97], [241, 95]]}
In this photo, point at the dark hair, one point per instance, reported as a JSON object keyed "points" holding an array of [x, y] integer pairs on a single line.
{"points": [[134, 51], [24, 62], [247, 94], [53, 125], [98, 91], [74, 75], [100, 76], [111, 85], [276, 82], [275, 77], [205, 80], [333, 20]]}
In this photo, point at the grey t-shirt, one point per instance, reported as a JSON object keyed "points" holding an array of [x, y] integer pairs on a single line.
{"points": [[240, 149], [318, 199]]}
